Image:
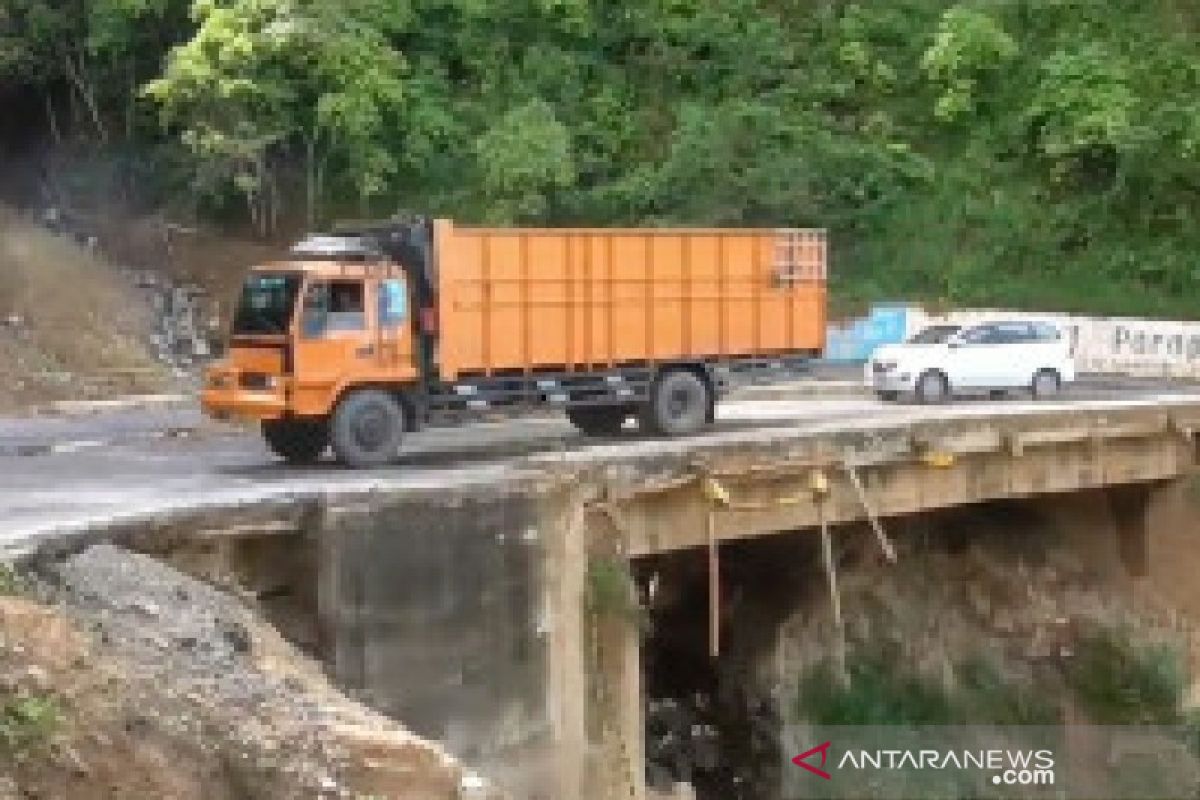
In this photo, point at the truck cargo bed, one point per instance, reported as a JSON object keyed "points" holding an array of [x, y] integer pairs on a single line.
{"points": [[525, 300]]}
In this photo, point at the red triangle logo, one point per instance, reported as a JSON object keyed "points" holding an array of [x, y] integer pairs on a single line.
{"points": [[801, 760]]}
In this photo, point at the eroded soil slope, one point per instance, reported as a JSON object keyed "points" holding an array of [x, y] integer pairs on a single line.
{"points": [[122, 678]]}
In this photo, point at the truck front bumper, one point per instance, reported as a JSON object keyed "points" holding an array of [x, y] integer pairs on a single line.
{"points": [[241, 405]]}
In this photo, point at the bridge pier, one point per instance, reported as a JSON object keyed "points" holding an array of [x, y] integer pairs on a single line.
{"points": [[1130, 507]]}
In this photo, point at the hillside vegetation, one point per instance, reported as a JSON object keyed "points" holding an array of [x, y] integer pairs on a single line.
{"points": [[1042, 153]]}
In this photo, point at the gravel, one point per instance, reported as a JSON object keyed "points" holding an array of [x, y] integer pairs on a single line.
{"points": [[193, 650]]}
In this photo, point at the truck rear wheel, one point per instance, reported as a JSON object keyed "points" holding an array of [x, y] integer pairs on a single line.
{"points": [[598, 420], [680, 403], [297, 441], [368, 426]]}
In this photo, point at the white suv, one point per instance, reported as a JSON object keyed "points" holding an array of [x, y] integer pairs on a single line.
{"points": [[992, 358]]}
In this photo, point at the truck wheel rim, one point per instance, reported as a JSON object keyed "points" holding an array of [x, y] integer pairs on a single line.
{"points": [[372, 426], [678, 402]]}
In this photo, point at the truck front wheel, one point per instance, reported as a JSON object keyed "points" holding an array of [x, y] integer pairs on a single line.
{"points": [[297, 441], [598, 420], [368, 426], [680, 403]]}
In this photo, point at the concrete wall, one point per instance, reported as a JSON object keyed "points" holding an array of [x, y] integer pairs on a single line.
{"points": [[431, 611]]}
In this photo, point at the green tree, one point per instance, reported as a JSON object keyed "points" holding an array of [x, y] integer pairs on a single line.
{"points": [[523, 159], [263, 80], [969, 47]]}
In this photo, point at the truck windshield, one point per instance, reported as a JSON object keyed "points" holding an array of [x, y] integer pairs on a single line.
{"points": [[266, 304]]}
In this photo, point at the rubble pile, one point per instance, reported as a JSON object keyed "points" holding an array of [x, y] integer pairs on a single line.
{"points": [[186, 320], [200, 669], [186, 323], [689, 740]]}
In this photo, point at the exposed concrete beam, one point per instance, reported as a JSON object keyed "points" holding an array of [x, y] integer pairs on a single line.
{"points": [[765, 498]]}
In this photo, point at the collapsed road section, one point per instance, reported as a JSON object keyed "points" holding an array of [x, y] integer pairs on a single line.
{"points": [[496, 609]]}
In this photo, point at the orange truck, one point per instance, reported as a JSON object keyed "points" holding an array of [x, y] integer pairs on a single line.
{"points": [[383, 329]]}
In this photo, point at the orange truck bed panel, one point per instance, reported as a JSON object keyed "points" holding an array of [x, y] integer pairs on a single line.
{"points": [[523, 299]]}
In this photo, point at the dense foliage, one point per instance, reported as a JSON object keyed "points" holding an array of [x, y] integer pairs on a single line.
{"points": [[1037, 152]]}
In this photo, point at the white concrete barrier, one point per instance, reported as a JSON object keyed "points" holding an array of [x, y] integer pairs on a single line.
{"points": [[1103, 345]]}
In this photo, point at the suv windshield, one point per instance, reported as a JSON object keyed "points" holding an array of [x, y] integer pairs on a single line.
{"points": [[267, 303], [937, 334]]}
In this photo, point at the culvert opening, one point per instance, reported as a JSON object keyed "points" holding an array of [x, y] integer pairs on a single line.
{"points": [[710, 721], [990, 616]]}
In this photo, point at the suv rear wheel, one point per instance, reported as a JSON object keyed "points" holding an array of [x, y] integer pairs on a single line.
{"points": [[1046, 384], [368, 427]]}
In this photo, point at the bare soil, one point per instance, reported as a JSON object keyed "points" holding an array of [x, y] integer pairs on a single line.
{"points": [[70, 325]]}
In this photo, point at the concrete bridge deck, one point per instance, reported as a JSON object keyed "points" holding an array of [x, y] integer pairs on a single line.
{"points": [[143, 479], [455, 591]]}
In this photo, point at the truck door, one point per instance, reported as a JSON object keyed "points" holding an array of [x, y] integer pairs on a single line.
{"points": [[395, 358], [333, 342]]}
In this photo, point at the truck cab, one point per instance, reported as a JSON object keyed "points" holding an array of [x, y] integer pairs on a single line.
{"points": [[360, 337], [305, 330]]}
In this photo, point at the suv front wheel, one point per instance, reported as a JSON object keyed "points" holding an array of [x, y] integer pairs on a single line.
{"points": [[1046, 384], [932, 387]]}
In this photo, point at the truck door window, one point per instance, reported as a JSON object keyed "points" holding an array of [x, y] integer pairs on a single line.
{"points": [[334, 306], [393, 303]]}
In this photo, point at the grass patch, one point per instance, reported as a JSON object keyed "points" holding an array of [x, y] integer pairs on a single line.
{"points": [[1121, 682], [28, 722], [10, 582], [881, 693], [610, 591]]}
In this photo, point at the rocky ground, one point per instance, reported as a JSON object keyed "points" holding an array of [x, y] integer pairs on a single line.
{"points": [[122, 678]]}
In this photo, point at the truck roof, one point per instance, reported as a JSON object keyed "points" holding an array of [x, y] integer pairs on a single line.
{"points": [[335, 268]]}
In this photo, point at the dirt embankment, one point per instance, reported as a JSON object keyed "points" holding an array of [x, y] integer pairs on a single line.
{"points": [[70, 326], [122, 678], [95, 306]]}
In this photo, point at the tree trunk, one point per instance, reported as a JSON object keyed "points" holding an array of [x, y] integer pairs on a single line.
{"points": [[52, 120], [77, 74], [310, 182]]}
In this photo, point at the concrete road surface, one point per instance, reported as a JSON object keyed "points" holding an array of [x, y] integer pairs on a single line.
{"points": [[143, 471]]}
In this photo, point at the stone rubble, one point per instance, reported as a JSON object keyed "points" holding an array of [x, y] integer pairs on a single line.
{"points": [[187, 321], [210, 671]]}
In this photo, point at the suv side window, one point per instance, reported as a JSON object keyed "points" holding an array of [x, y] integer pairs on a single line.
{"points": [[980, 334], [1043, 332], [1011, 333]]}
